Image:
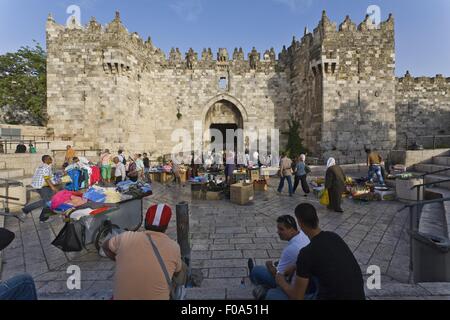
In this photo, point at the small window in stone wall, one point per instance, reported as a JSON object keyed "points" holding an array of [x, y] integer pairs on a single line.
{"points": [[223, 83]]}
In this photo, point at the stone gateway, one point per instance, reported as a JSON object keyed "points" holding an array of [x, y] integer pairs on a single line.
{"points": [[109, 88]]}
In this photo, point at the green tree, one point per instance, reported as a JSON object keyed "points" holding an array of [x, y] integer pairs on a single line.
{"points": [[23, 82], [295, 143]]}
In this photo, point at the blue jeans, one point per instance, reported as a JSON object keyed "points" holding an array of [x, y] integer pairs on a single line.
{"points": [[46, 195], [278, 293], [281, 186], [377, 170], [260, 275], [18, 288]]}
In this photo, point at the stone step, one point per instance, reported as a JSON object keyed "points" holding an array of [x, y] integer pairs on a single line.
{"points": [[10, 173], [16, 192], [441, 160], [60, 145], [436, 178], [432, 220], [431, 168]]}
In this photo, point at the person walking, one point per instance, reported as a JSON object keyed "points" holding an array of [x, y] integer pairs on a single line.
{"points": [[301, 171], [335, 184], [285, 173]]}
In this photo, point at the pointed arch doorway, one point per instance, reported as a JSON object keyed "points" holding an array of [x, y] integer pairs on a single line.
{"points": [[222, 117]]}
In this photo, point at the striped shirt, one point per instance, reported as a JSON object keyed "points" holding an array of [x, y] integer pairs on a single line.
{"points": [[42, 172]]}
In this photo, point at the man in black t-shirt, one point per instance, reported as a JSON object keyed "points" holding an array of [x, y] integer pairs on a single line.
{"points": [[328, 259]]}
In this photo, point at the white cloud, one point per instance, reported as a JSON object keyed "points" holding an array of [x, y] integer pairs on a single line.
{"points": [[296, 5], [188, 10]]}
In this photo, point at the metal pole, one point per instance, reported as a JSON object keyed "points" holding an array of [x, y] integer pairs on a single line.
{"points": [[182, 210], [411, 230], [434, 142], [7, 196]]}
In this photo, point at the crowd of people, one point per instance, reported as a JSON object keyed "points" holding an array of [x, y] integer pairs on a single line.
{"points": [[314, 264]]}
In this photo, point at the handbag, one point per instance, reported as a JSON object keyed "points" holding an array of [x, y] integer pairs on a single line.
{"points": [[71, 238], [307, 169], [176, 292]]}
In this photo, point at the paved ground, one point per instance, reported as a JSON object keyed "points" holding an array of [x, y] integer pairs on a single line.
{"points": [[223, 237]]}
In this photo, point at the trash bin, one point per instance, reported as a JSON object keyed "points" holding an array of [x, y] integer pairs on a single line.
{"points": [[430, 258]]}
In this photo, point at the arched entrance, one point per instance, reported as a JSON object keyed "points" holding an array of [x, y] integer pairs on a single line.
{"points": [[223, 116]]}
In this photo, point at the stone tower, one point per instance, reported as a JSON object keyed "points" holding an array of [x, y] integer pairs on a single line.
{"points": [[343, 87]]}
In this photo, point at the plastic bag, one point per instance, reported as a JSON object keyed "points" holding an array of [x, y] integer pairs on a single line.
{"points": [[324, 198], [71, 238]]}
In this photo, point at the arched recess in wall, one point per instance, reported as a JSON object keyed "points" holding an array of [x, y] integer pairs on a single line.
{"points": [[226, 97]]}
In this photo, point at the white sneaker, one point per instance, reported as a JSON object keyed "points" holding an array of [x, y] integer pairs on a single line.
{"points": [[23, 216]]}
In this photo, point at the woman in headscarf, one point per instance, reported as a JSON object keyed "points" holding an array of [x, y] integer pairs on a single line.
{"points": [[335, 183], [300, 174]]}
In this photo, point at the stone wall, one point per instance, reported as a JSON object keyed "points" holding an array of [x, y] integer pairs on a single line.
{"points": [[422, 109], [29, 131], [109, 88]]}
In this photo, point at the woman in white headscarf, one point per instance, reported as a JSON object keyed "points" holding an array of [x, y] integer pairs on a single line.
{"points": [[300, 174], [335, 183]]}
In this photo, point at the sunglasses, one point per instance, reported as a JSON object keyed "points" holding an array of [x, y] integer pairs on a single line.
{"points": [[289, 220]]}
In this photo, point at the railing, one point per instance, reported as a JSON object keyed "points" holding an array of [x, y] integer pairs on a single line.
{"points": [[6, 183], [26, 137], [415, 210], [8, 145], [428, 142], [434, 172], [78, 152]]}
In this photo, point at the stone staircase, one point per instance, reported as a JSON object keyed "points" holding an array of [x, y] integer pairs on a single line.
{"points": [[434, 164]]}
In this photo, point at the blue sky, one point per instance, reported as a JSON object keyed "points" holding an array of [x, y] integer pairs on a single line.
{"points": [[422, 27]]}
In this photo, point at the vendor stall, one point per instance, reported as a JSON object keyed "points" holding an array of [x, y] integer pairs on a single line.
{"points": [[95, 212]]}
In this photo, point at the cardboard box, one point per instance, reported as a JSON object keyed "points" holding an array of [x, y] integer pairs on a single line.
{"points": [[212, 195], [260, 185], [154, 176], [253, 174], [198, 195], [183, 176], [241, 193], [166, 177]]}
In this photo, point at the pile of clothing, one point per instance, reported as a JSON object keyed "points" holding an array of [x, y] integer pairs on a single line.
{"points": [[75, 205], [134, 189], [198, 179]]}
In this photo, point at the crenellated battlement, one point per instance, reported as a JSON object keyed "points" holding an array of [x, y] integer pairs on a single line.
{"points": [[439, 79], [338, 81], [117, 43], [327, 30]]}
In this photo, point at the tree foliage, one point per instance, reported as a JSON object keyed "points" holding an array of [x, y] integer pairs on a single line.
{"points": [[23, 83], [295, 143]]}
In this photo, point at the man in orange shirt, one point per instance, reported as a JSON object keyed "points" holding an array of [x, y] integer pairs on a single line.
{"points": [[139, 275], [70, 154]]}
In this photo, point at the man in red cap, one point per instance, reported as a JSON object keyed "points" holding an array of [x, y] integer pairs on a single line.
{"points": [[139, 274]]}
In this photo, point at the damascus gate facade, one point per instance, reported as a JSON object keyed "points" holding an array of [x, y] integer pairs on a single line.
{"points": [[108, 88]]}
